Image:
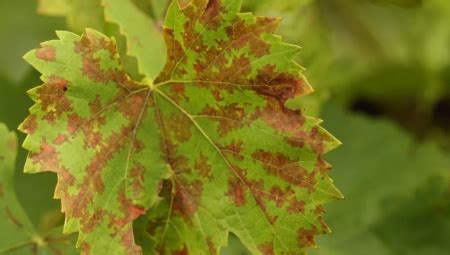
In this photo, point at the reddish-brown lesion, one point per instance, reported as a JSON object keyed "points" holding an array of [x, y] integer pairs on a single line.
{"points": [[213, 250], [60, 139], [175, 53], [280, 165], [86, 47], [229, 117], [137, 177], [46, 53], [236, 191], [53, 100], [85, 248], [238, 186], [296, 206], [266, 248], [280, 86], [306, 237], [203, 166], [29, 126], [94, 221], [183, 251], [234, 148], [178, 127], [212, 17], [130, 212], [280, 195], [187, 198]]}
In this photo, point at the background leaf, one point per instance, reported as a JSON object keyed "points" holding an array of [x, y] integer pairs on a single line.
{"points": [[144, 36], [18, 235]]}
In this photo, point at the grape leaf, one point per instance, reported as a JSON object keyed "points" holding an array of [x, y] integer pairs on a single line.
{"points": [[144, 37], [53, 7], [80, 14], [209, 147], [18, 235]]}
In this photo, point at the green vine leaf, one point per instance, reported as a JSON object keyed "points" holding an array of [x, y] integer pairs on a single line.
{"points": [[18, 235], [207, 149], [144, 37], [53, 7], [79, 14]]}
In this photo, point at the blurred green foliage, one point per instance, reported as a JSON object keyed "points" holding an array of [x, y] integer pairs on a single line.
{"points": [[381, 71]]}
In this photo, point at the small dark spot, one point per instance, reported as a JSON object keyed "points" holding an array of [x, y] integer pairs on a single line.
{"points": [[441, 113], [367, 106]]}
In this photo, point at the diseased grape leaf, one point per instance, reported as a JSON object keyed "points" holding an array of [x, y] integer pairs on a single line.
{"points": [[209, 147], [18, 235]]}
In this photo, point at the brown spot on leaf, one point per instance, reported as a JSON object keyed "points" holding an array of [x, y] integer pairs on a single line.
{"points": [[187, 198], [203, 167], [30, 124], [279, 86], [266, 248], [280, 196], [179, 127], [235, 148], [130, 211], [93, 221], [236, 191], [319, 210], [230, 117], [87, 47], [94, 171], [212, 248], [305, 237], [85, 248], [53, 101], [280, 165], [60, 139], [212, 18], [47, 53], [137, 173], [183, 251], [296, 207]]}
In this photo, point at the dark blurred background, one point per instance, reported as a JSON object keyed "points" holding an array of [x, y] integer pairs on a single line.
{"points": [[381, 71]]}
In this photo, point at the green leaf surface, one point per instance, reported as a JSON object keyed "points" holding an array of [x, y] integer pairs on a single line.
{"points": [[53, 7], [80, 14], [18, 235], [207, 149], [144, 36]]}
